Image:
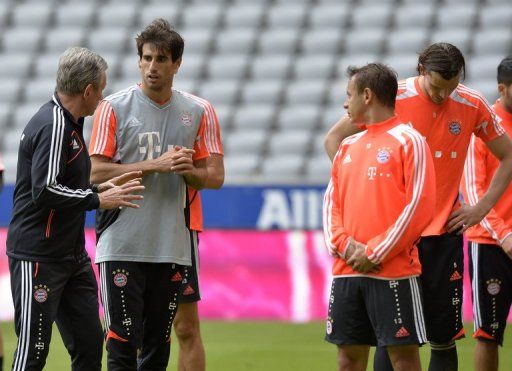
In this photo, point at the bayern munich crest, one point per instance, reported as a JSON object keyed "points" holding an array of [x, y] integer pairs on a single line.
{"points": [[454, 127], [120, 280], [383, 155], [493, 287], [186, 118], [41, 295]]}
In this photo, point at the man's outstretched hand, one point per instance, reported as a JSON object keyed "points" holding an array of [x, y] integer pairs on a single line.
{"points": [[120, 180], [122, 195]]}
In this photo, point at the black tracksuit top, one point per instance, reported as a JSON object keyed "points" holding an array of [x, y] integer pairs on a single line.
{"points": [[52, 189]]}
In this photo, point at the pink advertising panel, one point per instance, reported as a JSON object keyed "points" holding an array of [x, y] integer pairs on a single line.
{"points": [[271, 275]]}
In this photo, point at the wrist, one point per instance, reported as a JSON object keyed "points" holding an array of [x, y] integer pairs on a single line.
{"points": [[346, 249], [95, 202], [149, 166], [370, 255], [503, 239], [483, 208]]}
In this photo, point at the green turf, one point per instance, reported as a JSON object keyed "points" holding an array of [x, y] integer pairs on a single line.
{"points": [[266, 346]]}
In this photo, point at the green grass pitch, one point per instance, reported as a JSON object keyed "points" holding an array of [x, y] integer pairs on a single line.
{"points": [[265, 346]]}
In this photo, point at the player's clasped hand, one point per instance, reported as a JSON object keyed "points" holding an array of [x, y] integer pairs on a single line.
{"points": [[182, 163], [463, 218], [357, 259], [177, 160], [122, 195]]}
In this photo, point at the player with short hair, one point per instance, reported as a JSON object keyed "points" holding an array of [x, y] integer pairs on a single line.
{"points": [[52, 279], [383, 175], [490, 241], [151, 127], [446, 113]]}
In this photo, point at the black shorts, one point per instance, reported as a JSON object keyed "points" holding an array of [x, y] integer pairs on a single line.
{"points": [[190, 285], [490, 270], [369, 311], [140, 300], [442, 262]]}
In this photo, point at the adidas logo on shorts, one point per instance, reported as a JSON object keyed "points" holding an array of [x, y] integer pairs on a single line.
{"points": [[402, 333], [177, 277], [455, 276], [188, 291]]}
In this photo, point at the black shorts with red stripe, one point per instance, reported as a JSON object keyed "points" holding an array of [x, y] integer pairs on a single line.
{"points": [[442, 265], [369, 311], [490, 270]]}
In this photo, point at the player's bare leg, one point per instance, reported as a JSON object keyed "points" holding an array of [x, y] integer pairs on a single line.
{"points": [[353, 357], [191, 355], [405, 357], [486, 356]]}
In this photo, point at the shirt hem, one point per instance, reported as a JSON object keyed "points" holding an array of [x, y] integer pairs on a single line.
{"points": [[375, 277], [46, 259], [142, 259]]}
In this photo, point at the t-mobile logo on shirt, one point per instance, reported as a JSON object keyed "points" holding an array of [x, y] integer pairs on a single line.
{"points": [[149, 145], [372, 172]]}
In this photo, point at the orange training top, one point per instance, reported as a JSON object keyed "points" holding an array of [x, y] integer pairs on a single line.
{"points": [[447, 128], [382, 194], [478, 172]]}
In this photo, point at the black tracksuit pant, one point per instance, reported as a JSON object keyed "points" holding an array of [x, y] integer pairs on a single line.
{"points": [[65, 293]]}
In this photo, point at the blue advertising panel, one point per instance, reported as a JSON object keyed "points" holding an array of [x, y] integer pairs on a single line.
{"points": [[240, 207]]}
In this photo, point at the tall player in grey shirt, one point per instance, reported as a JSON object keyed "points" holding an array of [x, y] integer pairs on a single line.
{"points": [[155, 129]]}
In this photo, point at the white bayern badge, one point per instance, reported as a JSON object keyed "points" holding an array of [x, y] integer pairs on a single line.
{"points": [[383, 155]]}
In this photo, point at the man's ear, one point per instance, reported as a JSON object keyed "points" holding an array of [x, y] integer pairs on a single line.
{"points": [[422, 70], [88, 90], [367, 95], [177, 65], [501, 89]]}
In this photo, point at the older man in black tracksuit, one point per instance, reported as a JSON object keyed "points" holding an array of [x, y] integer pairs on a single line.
{"points": [[51, 275]]}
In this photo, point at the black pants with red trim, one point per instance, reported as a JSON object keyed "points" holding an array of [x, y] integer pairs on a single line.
{"points": [[140, 301], [65, 293]]}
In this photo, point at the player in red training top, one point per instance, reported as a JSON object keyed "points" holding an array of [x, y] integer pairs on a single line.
{"points": [[383, 175], [490, 246], [446, 113]]}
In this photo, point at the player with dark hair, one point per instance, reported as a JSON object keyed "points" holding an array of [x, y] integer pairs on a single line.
{"points": [[446, 113], [490, 241], [386, 171], [52, 279], [161, 131]]}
